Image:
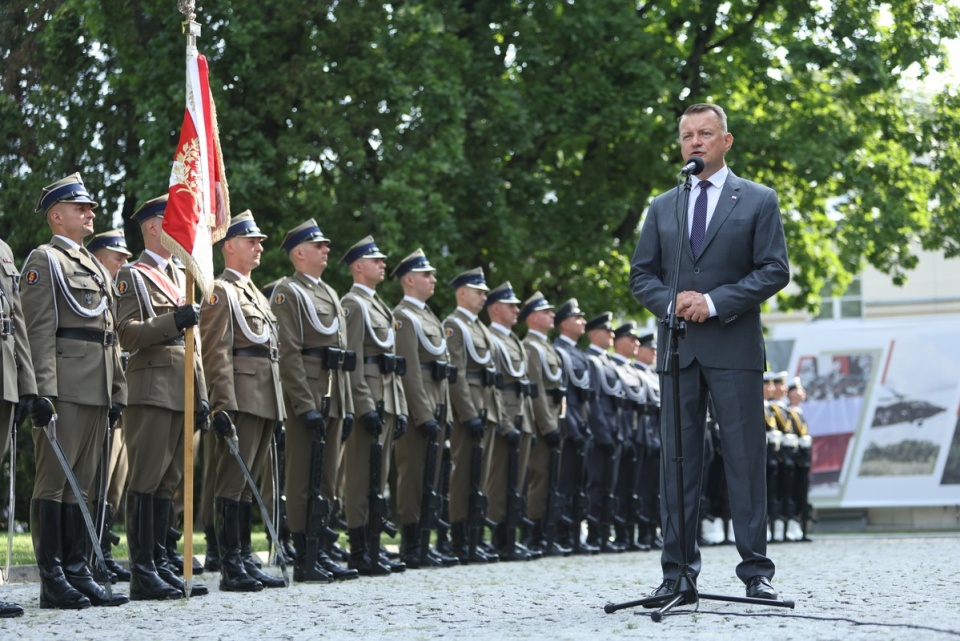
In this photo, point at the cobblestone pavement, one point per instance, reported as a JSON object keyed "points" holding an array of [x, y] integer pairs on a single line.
{"points": [[847, 587]]}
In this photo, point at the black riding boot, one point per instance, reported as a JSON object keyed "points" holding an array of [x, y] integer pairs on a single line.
{"points": [[45, 527], [360, 557], [246, 551], [170, 540], [107, 540], [211, 561], [162, 509], [76, 550], [307, 570], [233, 576], [326, 561], [145, 583]]}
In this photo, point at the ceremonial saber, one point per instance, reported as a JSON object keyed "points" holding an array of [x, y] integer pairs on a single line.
{"points": [[232, 444], [50, 429], [104, 484]]}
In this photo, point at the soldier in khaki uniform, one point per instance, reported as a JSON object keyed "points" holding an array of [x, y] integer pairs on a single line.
{"points": [[69, 304], [378, 399], [420, 341], [19, 386], [515, 423], [240, 362], [473, 395], [153, 317], [545, 370], [110, 248], [312, 361]]}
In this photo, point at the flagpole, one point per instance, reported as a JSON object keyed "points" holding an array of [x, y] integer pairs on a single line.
{"points": [[192, 29]]}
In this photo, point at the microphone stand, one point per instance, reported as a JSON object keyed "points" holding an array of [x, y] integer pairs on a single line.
{"points": [[685, 590]]}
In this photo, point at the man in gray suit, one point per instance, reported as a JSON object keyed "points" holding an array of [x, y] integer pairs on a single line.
{"points": [[733, 257]]}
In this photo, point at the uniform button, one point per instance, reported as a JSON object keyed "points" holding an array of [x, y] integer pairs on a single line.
{"points": [[696, 270]]}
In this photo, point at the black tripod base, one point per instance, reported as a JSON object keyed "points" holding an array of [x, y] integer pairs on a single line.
{"points": [[666, 602]]}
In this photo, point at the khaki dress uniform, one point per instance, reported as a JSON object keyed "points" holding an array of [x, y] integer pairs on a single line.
{"points": [[471, 351], [15, 365], [69, 303], [312, 359], [306, 382], [15, 362], [546, 371], [370, 333], [240, 362], [516, 407], [154, 420], [421, 341]]}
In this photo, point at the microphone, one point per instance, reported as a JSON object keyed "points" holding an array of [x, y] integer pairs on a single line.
{"points": [[693, 167]]}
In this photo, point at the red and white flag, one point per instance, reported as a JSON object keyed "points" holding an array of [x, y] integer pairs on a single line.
{"points": [[198, 206]]}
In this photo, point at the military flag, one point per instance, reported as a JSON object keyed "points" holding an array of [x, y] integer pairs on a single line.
{"points": [[198, 207]]}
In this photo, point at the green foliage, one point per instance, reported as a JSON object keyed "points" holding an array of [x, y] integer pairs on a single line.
{"points": [[526, 137]]}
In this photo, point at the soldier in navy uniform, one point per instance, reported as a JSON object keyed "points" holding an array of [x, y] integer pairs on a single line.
{"points": [[378, 399], [69, 304], [153, 317], [240, 362], [797, 525], [19, 387], [570, 324], [604, 460], [312, 360], [646, 363], [626, 342]]}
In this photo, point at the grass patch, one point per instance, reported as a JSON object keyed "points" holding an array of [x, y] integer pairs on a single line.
{"points": [[23, 545]]}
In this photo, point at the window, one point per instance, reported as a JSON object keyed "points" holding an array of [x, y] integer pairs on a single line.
{"points": [[849, 305]]}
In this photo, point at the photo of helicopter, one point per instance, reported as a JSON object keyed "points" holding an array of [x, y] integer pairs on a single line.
{"points": [[904, 410]]}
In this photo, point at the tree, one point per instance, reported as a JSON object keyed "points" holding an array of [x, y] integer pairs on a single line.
{"points": [[526, 137]]}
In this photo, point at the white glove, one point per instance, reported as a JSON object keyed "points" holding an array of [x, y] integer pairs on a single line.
{"points": [[774, 437]]}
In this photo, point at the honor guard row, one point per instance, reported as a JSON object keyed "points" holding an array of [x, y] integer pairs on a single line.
{"points": [[529, 438]]}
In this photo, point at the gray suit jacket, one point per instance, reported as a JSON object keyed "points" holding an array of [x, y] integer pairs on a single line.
{"points": [[743, 263]]}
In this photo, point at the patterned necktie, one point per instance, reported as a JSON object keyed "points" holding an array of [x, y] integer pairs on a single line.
{"points": [[699, 220]]}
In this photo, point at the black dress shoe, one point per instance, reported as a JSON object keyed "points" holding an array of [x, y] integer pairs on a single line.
{"points": [[10, 610], [665, 589], [759, 587]]}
